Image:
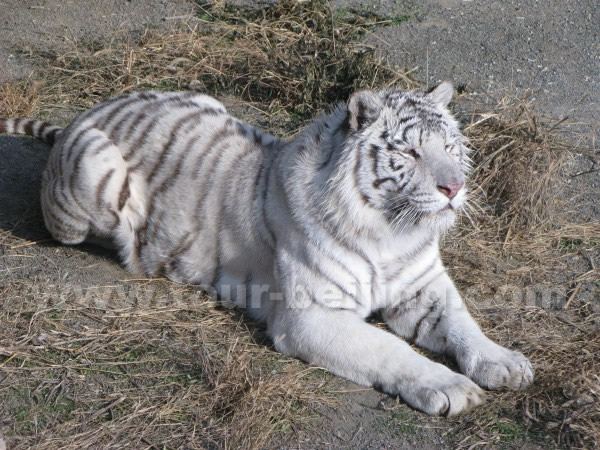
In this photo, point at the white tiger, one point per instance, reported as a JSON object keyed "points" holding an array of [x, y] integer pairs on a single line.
{"points": [[311, 235]]}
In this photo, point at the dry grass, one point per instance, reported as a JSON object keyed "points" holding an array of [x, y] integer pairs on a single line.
{"points": [[197, 376], [19, 99], [191, 376], [292, 59]]}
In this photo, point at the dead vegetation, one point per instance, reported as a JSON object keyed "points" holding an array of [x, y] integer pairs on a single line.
{"points": [[293, 59], [181, 374], [196, 376], [19, 99]]}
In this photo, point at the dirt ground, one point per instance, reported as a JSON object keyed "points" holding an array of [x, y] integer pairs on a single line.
{"points": [[550, 49]]}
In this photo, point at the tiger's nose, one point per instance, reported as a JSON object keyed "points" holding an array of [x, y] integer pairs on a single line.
{"points": [[451, 189]]}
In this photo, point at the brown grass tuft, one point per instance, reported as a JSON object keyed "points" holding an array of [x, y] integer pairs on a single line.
{"points": [[19, 99]]}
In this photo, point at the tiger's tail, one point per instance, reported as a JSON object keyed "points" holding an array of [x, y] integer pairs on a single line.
{"points": [[36, 128]]}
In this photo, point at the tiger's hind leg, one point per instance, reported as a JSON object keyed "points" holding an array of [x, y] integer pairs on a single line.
{"points": [[63, 220], [88, 193]]}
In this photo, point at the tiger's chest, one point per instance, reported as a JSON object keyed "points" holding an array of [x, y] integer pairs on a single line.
{"points": [[371, 277]]}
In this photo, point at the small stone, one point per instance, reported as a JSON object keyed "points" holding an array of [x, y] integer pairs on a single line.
{"points": [[196, 85]]}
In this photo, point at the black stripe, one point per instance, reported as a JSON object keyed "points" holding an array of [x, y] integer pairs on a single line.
{"points": [[373, 154], [405, 181], [380, 181], [409, 102], [73, 146], [115, 133], [101, 188], [215, 140], [424, 272], [17, 125], [154, 225], [132, 126], [171, 263], [102, 106], [124, 193], [64, 225], [265, 211], [364, 197], [78, 158], [185, 243], [211, 169], [257, 137], [148, 231], [105, 145], [51, 137], [56, 201], [116, 217], [248, 284], [260, 176], [139, 239], [407, 259], [437, 321], [398, 310], [315, 268], [41, 130], [29, 127], [332, 149], [406, 130], [419, 323], [406, 119], [393, 167]]}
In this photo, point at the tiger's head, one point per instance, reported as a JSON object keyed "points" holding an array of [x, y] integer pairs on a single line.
{"points": [[410, 156]]}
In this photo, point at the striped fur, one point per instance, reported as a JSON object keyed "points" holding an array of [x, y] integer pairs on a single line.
{"points": [[34, 128], [311, 235]]}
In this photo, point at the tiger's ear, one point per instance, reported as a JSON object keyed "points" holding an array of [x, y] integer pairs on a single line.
{"points": [[364, 108], [442, 94]]}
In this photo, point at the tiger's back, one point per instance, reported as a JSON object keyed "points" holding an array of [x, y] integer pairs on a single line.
{"points": [[170, 177]]}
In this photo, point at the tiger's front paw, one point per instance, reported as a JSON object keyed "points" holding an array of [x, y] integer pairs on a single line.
{"points": [[495, 367], [440, 391]]}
